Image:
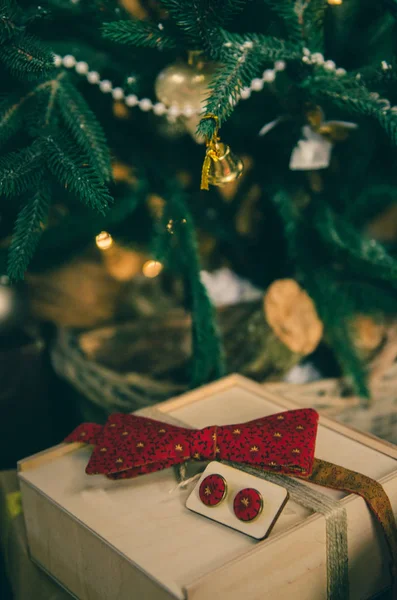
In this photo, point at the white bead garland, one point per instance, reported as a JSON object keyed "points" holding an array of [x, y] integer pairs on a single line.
{"points": [[268, 76], [158, 108], [105, 86]]}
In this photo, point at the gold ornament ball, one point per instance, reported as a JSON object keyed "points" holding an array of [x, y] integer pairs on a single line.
{"points": [[184, 85]]}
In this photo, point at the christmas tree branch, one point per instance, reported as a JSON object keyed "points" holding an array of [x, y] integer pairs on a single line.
{"points": [[85, 129], [26, 57], [177, 247], [243, 58], [334, 306], [21, 170], [74, 172], [287, 12], [366, 255], [313, 17], [27, 232], [138, 33]]}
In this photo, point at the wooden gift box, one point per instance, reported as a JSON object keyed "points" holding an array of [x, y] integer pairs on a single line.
{"points": [[134, 539]]}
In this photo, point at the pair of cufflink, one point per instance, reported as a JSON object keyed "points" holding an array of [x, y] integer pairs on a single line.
{"points": [[247, 503]]}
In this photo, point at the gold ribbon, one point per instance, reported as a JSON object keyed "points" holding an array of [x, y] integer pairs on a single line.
{"points": [[211, 152], [339, 478]]}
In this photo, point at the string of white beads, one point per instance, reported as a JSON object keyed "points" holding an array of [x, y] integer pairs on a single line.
{"points": [[145, 104]]}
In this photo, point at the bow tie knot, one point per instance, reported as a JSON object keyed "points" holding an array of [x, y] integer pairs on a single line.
{"points": [[204, 443]]}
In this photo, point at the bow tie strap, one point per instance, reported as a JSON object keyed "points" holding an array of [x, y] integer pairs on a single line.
{"points": [[129, 445]]}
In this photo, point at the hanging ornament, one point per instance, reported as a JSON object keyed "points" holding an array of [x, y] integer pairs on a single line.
{"points": [[314, 151], [183, 87], [220, 165], [335, 2], [13, 306]]}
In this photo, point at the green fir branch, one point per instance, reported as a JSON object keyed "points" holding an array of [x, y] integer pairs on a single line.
{"points": [[85, 129], [336, 310], [286, 11], [9, 13], [371, 201], [366, 254], [11, 117], [334, 306], [74, 173], [313, 24], [21, 170], [27, 232], [369, 297], [179, 249], [353, 97], [200, 21], [243, 59], [26, 57], [138, 33]]}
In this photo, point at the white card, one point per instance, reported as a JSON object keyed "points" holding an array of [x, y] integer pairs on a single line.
{"points": [[274, 498]]}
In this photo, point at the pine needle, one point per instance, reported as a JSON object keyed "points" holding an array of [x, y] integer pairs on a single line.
{"points": [[74, 173], [27, 232], [85, 129]]}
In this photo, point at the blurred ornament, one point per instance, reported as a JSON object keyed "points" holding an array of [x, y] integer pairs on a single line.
{"points": [[152, 268], [156, 206], [123, 173], [104, 240], [314, 151], [13, 306], [383, 227], [292, 315], [335, 2], [121, 263], [135, 8], [249, 217], [368, 333], [183, 87], [121, 111], [225, 287], [220, 165], [170, 128]]}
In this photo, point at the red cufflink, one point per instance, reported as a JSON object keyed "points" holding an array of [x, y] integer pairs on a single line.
{"points": [[213, 490], [248, 504]]}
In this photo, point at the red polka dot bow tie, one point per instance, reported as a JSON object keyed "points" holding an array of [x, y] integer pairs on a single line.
{"points": [[128, 445]]}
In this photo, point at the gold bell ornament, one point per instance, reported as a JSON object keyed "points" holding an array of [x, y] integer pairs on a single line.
{"points": [[184, 86], [220, 165]]}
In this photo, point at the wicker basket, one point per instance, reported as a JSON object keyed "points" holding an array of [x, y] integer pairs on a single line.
{"points": [[103, 390], [327, 396]]}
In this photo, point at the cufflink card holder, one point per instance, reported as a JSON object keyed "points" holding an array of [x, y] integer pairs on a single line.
{"points": [[241, 488]]}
